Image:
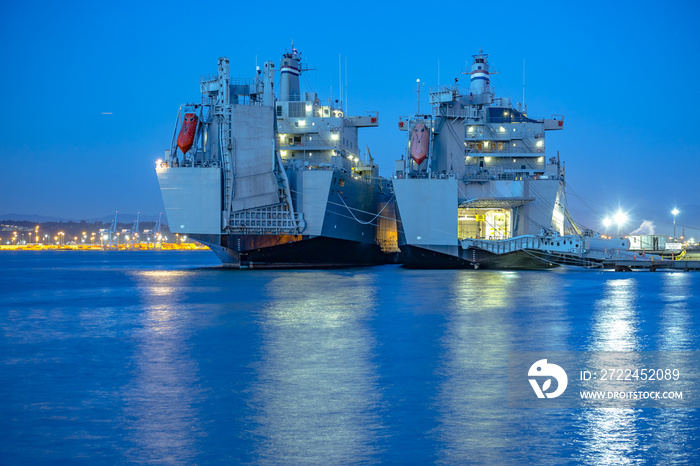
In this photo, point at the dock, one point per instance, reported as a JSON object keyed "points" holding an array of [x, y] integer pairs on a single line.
{"points": [[96, 247], [591, 252], [627, 265]]}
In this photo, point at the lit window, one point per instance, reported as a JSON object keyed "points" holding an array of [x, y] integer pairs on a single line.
{"points": [[487, 159]]}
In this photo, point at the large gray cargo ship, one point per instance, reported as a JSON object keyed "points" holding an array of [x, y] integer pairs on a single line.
{"points": [[276, 182], [476, 170]]}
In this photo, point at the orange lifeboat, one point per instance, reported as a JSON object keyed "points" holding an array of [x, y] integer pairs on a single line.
{"points": [[186, 137], [420, 141]]}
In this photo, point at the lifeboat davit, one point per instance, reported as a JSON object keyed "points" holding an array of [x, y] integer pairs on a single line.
{"points": [[420, 142], [186, 137]]}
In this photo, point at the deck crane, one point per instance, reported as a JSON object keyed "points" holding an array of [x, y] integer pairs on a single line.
{"points": [[156, 231], [113, 230], [135, 231]]}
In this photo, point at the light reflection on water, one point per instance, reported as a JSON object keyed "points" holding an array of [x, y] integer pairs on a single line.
{"points": [[160, 411], [619, 321], [475, 344], [316, 397], [673, 334], [615, 317], [357, 366], [483, 323]]}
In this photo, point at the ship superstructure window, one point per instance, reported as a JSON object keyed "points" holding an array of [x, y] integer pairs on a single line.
{"points": [[508, 115], [297, 109], [279, 110]]}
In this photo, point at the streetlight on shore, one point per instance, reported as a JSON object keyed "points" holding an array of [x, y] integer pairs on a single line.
{"points": [[620, 219], [675, 212], [606, 224]]}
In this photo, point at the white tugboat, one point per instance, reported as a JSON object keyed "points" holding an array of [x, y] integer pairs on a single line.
{"points": [[269, 182]]}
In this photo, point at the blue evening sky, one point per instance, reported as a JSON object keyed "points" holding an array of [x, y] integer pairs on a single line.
{"points": [[624, 74]]}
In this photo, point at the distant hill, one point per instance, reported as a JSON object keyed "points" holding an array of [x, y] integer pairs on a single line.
{"points": [[31, 218], [123, 218]]}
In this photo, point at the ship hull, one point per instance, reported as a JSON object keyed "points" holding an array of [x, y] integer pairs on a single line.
{"points": [[341, 227], [428, 211], [287, 251]]}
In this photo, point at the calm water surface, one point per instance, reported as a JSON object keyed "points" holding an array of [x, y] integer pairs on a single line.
{"points": [[164, 357]]}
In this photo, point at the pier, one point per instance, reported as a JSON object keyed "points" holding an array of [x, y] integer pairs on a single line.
{"points": [[627, 265], [97, 247], [582, 251]]}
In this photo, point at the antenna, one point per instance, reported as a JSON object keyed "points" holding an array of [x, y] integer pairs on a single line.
{"points": [[524, 85], [340, 82], [418, 96], [438, 74], [346, 85]]}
